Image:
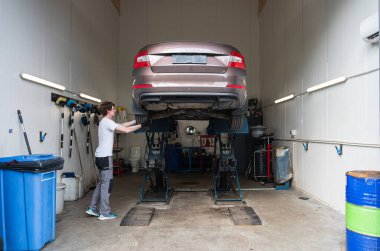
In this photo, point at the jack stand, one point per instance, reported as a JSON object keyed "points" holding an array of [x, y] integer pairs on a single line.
{"points": [[159, 187], [225, 174]]}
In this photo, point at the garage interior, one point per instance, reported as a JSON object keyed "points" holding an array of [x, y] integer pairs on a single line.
{"points": [[290, 46]]}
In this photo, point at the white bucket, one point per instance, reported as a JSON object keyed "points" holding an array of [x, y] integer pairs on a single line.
{"points": [[72, 188], [81, 186], [135, 164], [59, 199]]}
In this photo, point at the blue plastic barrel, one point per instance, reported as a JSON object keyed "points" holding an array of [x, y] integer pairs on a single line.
{"points": [[361, 242], [363, 210], [27, 205]]}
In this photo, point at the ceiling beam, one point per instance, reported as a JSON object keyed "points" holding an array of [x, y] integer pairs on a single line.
{"points": [[116, 3]]}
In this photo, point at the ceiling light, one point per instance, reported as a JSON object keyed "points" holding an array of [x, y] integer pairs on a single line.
{"points": [[89, 97], [42, 81], [284, 99], [327, 84]]}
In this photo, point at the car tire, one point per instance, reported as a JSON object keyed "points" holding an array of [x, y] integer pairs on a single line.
{"points": [[140, 118], [236, 122]]}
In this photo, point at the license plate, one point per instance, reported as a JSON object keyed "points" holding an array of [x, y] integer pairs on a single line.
{"points": [[189, 59]]}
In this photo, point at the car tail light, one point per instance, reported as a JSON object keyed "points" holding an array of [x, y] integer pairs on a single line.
{"points": [[236, 60], [141, 60], [140, 86], [235, 86]]}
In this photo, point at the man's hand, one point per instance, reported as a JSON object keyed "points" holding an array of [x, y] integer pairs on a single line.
{"points": [[146, 123], [130, 123]]}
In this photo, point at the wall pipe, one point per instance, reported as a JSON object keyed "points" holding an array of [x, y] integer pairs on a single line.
{"points": [[331, 142]]}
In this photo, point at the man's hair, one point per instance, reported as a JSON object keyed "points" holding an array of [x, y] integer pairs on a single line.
{"points": [[105, 106]]}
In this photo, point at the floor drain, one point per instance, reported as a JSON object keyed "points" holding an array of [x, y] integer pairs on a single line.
{"points": [[190, 183], [303, 198]]}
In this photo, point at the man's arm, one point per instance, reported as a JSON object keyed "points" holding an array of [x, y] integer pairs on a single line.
{"points": [[130, 123], [127, 129]]}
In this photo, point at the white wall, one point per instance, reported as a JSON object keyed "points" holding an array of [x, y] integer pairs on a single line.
{"points": [[70, 42], [149, 21], [303, 43]]}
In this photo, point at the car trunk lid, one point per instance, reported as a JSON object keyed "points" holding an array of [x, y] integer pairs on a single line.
{"points": [[189, 57]]}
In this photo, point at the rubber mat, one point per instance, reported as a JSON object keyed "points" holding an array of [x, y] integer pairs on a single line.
{"points": [[244, 216], [138, 216]]}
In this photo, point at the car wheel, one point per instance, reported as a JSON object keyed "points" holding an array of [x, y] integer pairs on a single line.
{"points": [[140, 118], [236, 122]]}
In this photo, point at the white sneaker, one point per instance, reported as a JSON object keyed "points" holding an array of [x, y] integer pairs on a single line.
{"points": [[108, 217], [92, 212]]}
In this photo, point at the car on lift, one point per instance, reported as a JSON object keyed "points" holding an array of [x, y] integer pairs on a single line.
{"points": [[189, 80]]}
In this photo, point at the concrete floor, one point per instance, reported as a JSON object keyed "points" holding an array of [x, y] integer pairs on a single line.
{"points": [[193, 222]]}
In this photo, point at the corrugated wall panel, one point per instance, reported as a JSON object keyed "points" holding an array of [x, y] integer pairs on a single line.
{"points": [[322, 43], [70, 42]]}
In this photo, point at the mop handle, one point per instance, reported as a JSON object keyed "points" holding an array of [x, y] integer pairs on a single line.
{"points": [[88, 133], [71, 131], [62, 118], [23, 129]]}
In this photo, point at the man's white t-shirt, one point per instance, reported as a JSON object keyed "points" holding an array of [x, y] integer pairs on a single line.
{"points": [[106, 135]]}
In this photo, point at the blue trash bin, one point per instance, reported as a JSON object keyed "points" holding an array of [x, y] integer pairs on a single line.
{"points": [[27, 200]]}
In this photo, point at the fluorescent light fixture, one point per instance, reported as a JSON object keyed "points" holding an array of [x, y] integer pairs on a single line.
{"points": [[327, 84], [284, 99], [89, 97], [42, 81]]}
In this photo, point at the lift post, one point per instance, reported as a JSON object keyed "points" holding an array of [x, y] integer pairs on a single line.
{"points": [[155, 170], [225, 175]]}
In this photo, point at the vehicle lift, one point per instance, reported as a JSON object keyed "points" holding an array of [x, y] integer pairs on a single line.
{"points": [[225, 174], [155, 170]]}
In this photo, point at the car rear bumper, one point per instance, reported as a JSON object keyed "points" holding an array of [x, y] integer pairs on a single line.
{"points": [[188, 97], [234, 101]]}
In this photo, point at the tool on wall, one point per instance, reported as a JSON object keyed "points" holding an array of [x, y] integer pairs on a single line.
{"points": [[82, 109], [77, 105], [88, 108], [72, 104], [23, 129], [96, 112], [80, 160], [61, 101], [93, 163]]}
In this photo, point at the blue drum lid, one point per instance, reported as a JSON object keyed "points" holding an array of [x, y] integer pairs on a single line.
{"points": [[32, 163], [28, 158], [363, 188], [360, 242]]}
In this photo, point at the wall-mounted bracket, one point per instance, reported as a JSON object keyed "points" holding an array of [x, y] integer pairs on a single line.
{"points": [[306, 146], [71, 102], [339, 149], [42, 136]]}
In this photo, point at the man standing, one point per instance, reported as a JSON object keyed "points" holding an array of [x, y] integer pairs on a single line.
{"points": [[103, 160]]}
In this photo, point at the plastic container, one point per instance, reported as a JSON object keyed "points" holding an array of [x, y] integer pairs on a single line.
{"points": [[283, 171], [135, 159], [28, 204], [60, 197], [72, 188], [363, 210], [80, 186]]}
